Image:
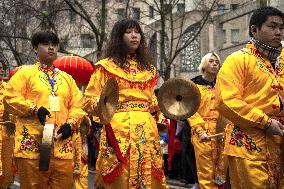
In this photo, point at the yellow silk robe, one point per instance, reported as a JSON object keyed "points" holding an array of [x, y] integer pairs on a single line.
{"points": [[209, 158], [248, 92], [6, 147], [30, 87], [134, 128]]}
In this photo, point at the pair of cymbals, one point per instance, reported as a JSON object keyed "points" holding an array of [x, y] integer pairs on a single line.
{"points": [[108, 101], [179, 98]]}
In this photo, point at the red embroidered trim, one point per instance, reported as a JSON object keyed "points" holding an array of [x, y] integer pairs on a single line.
{"points": [[157, 173], [109, 178], [113, 143], [131, 84]]}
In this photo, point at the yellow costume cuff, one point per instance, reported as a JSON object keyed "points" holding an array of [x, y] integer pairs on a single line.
{"points": [[265, 123]]}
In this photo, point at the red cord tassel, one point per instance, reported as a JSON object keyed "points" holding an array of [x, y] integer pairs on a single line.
{"points": [[113, 143]]}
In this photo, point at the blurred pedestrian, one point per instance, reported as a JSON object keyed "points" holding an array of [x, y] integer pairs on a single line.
{"points": [[188, 162], [7, 129]]}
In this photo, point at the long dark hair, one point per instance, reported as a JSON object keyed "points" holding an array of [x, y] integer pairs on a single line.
{"points": [[118, 50]]}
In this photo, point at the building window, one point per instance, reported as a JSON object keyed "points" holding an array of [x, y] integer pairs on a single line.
{"points": [[136, 13], [234, 6], [180, 7], [221, 9], [191, 55], [120, 13], [43, 5], [87, 41], [224, 37], [72, 16], [167, 8], [63, 43], [151, 11], [153, 48], [235, 36]]}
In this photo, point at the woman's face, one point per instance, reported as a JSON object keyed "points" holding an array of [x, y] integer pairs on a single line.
{"points": [[132, 39], [213, 65]]}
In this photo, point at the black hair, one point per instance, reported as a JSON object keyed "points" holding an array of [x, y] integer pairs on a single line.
{"points": [[260, 16], [44, 37], [118, 50]]}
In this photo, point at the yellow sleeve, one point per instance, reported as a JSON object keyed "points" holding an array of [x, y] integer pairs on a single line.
{"points": [[76, 113], [15, 93], [196, 122], [93, 90], [229, 91]]}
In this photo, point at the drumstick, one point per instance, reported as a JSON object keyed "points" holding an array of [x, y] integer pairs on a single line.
{"points": [[57, 137], [3, 122], [216, 135]]}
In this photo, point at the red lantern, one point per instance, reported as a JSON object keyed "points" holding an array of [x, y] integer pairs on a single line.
{"points": [[79, 68]]}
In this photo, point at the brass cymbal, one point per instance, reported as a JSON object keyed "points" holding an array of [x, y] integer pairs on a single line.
{"points": [[108, 101], [179, 98]]}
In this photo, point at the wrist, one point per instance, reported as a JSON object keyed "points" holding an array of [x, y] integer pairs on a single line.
{"points": [[201, 133], [33, 110], [268, 124]]}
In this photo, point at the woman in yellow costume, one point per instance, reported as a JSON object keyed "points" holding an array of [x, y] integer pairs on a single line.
{"points": [[130, 152], [208, 152]]}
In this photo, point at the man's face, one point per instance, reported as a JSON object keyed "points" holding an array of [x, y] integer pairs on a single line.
{"points": [[46, 52], [132, 39], [271, 31], [213, 65]]}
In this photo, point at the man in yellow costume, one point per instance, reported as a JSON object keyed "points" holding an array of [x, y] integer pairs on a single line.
{"points": [[130, 152], [249, 92], [6, 140], [39, 94], [208, 152]]}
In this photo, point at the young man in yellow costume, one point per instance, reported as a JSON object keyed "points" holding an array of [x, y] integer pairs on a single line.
{"points": [[6, 140], [249, 92], [37, 94], [130, 152], [208, 153]]}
